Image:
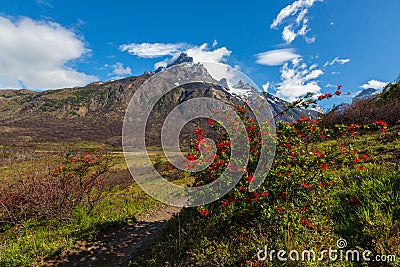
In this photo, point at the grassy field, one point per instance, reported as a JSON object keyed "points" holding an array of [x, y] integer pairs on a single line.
{"points": [[363, 207], [32, 241]]}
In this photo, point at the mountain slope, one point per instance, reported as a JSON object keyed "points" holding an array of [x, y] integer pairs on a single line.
{"points": [[95, 112], [366, 93], [368, 108]]}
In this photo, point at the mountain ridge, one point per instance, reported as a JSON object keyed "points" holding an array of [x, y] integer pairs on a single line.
{"points": [[95, 112]]}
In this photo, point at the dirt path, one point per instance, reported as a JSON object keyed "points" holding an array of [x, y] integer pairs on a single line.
{"points": [[117, 248]]}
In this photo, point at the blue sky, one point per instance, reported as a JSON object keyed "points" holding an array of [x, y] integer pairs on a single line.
{"points": [[287, 47]]}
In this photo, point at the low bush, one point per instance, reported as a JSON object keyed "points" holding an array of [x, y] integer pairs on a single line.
{"points": [[51, 190]]}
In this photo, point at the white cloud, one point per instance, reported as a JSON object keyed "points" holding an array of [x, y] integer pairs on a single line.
{"points": [[298, 79], [203, 54], [167, 61], [153, 50], [37, 54], [215, 43], [288, 35], [199, 53], [119, 71], [293, 9], [310, 40], [301, 16], [266, 86], [329, 85], [276, 57], [298, 26], [161, 64], [44, 3], [337, 60], [374, 84]]}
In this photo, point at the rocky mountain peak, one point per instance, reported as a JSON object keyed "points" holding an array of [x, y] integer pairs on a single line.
{"points": [[366, 93], [183, 58]]}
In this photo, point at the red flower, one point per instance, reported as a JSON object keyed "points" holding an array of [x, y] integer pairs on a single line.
{"points": [[353, 127], [57, 170], [256, 196], [199, 132], [279, 208], [304, 184], [339, 86], [307, 185], [264, 194], [382, 123], [204, 212], [242, 188], [357, 160], [228, 202], [319, 153], [230, 166], [338, 92], [362, 168], [324, 167], [250, 128], [364, 156], [191, 157], [250, 178], [305, 222]]}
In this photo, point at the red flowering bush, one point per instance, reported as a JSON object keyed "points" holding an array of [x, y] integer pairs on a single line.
{"points": [[321, 187], [53, 190], [381, 125], [298, 179]]}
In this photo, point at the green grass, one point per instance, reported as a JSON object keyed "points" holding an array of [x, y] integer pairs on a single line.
{"points": [[33, 242]]}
